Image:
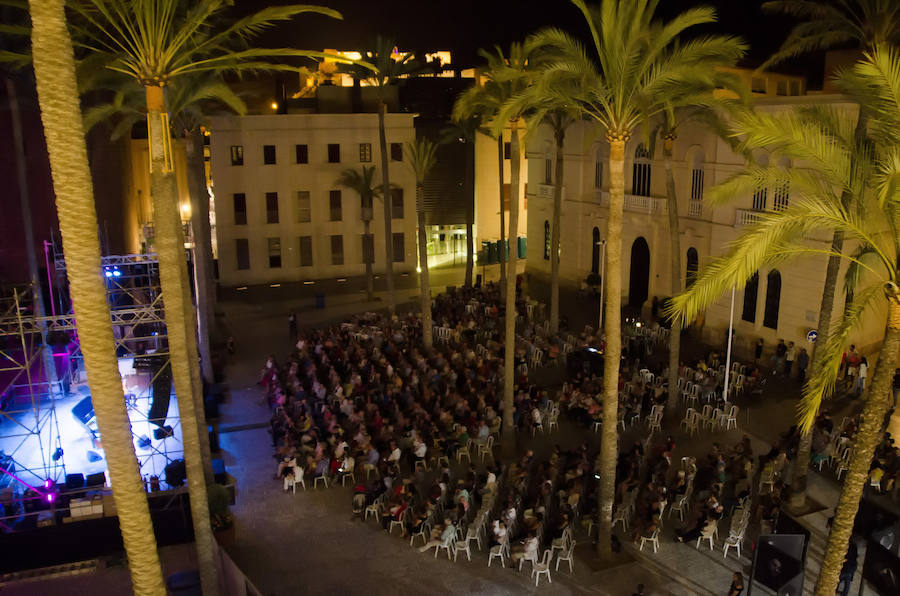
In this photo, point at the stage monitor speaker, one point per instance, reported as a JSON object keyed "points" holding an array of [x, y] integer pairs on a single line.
{"points": [[98, 479], [84, 410], [881, 569], [74, 481], [176, 473], [778, 563], [162, 392]]}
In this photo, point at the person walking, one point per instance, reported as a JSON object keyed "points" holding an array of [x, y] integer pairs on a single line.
{"points": [[789, 357], [292, 325], [849, 569], [802, 365], [737, 584], [757, 351], [861, 372]]}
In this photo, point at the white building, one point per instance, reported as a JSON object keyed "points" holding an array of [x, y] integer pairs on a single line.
{"points": [[782, 302], [280, 214]]}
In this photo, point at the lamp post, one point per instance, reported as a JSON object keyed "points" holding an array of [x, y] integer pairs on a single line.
{"points": [[728, 352], [602, 281]]}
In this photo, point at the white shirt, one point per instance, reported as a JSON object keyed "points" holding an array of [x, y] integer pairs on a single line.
{"points": [[421, 450], [395, 455], [863, 368]]}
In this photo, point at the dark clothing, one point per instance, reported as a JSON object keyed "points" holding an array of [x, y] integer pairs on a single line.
{"points": [[737, 586]]}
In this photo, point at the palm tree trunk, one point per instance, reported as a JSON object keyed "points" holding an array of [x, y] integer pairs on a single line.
{"points": [[869, 435], [170, 247], [826, 308], [370, 286], [424, 285], [804, 449], [470, 215], [554, 234], [27, 226], [509, 337], [54, 69], [675, 260], [388, 236], [203, 269], [609, 439], [502, 251]]}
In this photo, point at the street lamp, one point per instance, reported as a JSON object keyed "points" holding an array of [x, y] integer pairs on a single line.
{"points": [[602, 281], [728, 354]]}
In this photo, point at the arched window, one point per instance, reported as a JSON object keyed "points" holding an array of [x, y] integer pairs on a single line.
{"points": [[751, 291], [690, 274], [546, 240], [782, 188], [695, 209], [760, 194], [595, 251], [640, 172], [773, 299]]}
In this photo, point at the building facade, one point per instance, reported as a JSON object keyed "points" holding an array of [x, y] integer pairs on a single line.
{"points": [[280, 214], [777, 303]]}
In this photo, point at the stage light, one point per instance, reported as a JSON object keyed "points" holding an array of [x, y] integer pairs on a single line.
{"points": [[48, 483], [50, 497], [418, 269], [116, 273], [57, 455], [638, 324], [109, 274]]}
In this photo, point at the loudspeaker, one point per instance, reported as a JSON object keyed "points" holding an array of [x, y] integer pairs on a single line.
{"points": [[98, 479], [162, 391], [74, 481], [176, 473]]}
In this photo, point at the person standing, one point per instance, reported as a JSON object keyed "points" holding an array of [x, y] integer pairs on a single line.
{"points": [[789, 357], [849, 569], [292, 325], [737, 584], [757, 351], [862, 371], [802, 364]]}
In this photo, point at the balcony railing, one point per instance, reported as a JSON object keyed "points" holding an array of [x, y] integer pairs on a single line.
{"points": [[638, 203], [745, 217], [544, 191]]}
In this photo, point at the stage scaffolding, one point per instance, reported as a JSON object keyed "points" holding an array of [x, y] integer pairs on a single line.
{"points": [[31, 392]]}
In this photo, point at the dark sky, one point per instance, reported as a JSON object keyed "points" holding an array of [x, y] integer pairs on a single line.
{"points": [[464, 26]]}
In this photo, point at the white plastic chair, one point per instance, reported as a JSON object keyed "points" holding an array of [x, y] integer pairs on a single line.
{"points": [[398, 522], [652, 538], [655, 422], [463, 545], [501, 551], [324, 480], [464, 451], [448, 545], [541, 567], [293, 479], [734, 540], [567, 554], [707, 535], [486, 449], [374, 508], [563, 541], [731, 417], [424, 532], [553, 420], [530, 559], [680, 506]]}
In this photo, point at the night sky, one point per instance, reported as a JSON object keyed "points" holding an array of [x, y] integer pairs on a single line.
{"points": [[464, 26]]}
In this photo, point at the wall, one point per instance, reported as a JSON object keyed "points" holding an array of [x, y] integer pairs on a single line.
{"points": [[487, 189], [318, 177]]}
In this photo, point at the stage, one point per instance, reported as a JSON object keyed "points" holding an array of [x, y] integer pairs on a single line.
{"points": [[33, 431]]}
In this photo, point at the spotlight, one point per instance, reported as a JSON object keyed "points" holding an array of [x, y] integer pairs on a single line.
{"points": [[57, 455], [108, 273], [116, 273], [162, 433], [50, 497]]}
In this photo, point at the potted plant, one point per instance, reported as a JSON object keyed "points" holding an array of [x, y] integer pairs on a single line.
{"points": [[220, 515]]}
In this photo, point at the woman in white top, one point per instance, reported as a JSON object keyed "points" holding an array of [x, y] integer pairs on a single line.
{"points": [[861, 376]]}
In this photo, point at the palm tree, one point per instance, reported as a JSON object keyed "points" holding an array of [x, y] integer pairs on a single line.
{"points": [[191, 98], [866, 24], [835, 166], [421, 160], [54, 68], [384, 69], [482, 102], [466, 131], [633, 62], [155, 42], [363, 183], [506, 77]]}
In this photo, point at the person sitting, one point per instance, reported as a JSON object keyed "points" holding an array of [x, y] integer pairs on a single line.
{"points": [[440, 535], [528, 550]]}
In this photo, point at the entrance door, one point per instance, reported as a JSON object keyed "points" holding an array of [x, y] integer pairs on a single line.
{"points": [[639, 282]]}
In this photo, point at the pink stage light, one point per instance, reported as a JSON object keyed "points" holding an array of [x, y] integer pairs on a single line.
{"points": [[51, 496]]}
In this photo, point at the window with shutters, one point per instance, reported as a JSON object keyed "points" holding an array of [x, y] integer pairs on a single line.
{"points": [[272, 207], [242, 252], [751, 293], [337, 250], [334, 205], [306, 251], [398, 241], [269, 154], [396, 151], [334, 153], [396, 203], [237, 155], [302, 153], [773, 299], [302, 207], [365, 152], [274, 245], [640, 172], [240, 209]]}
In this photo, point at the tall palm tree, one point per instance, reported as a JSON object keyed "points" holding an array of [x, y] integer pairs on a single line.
{"points": [[632, 62], [866, 24], [505, 78], [482, 102], [191, 98], [422, 157], [835, 166], [155, 42], [385, 68], [466, 131], [54, 68], [363, 183]]}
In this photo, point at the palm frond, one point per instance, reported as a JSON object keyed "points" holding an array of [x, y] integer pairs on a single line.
{"points": [[422, 157]]}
